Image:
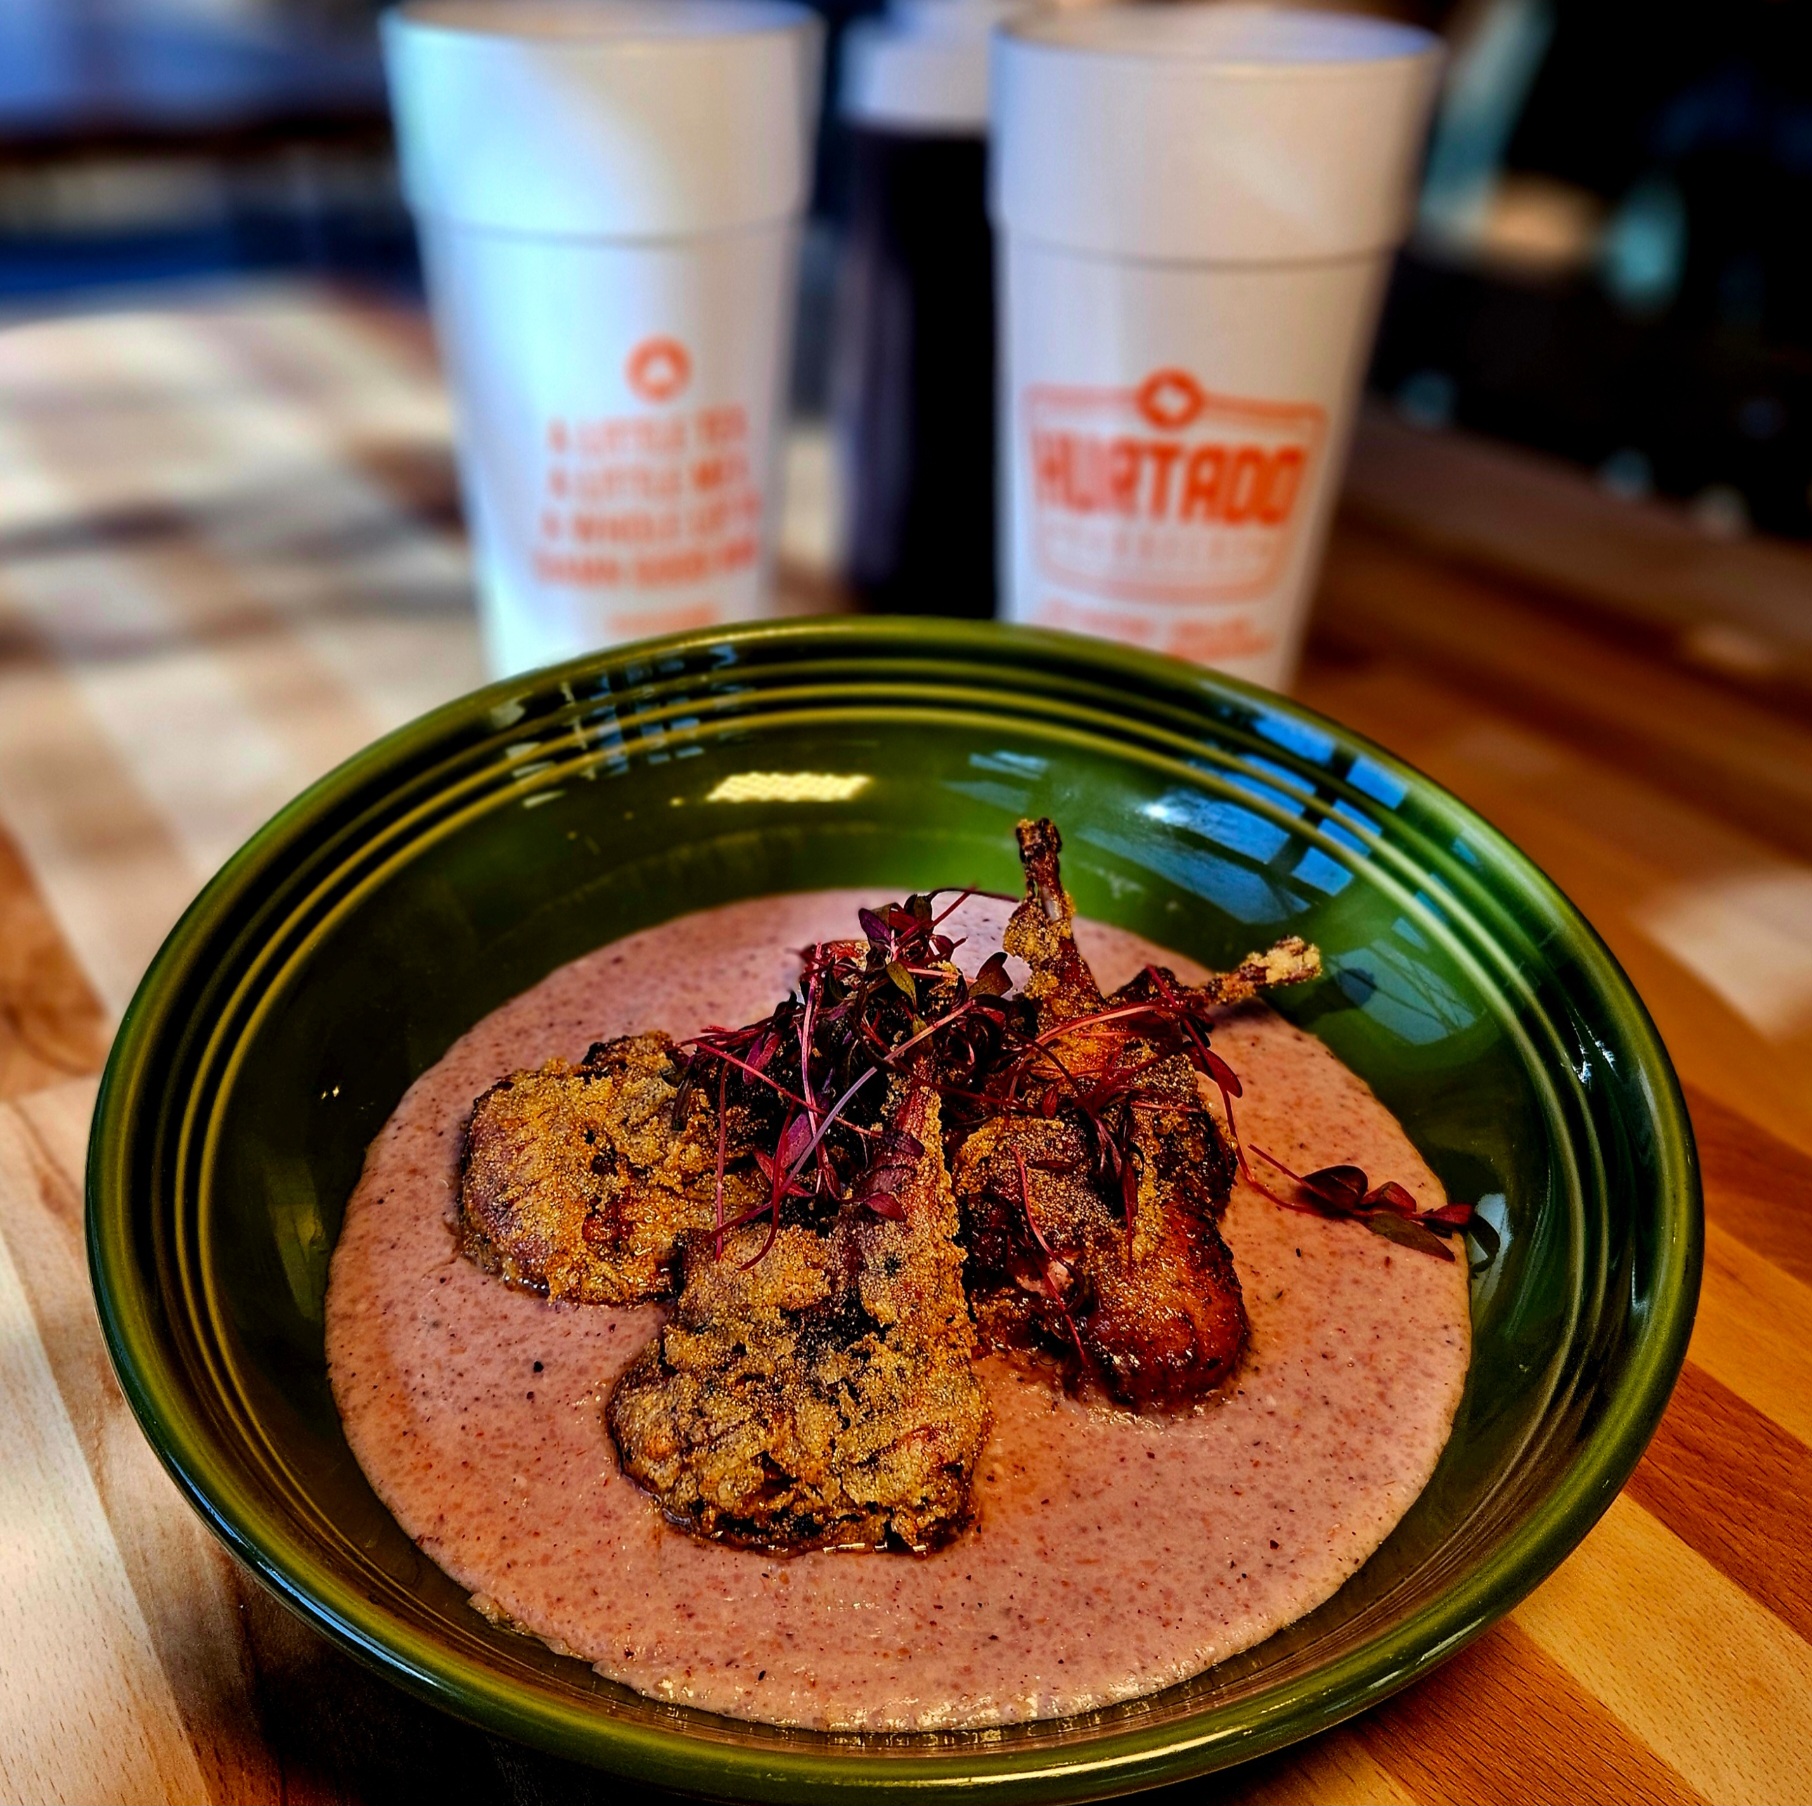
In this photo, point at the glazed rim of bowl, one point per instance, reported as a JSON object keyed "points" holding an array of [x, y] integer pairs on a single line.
{"points": [[430, 776]]}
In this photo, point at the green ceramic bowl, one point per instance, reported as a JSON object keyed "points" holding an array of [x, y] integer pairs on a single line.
{"points": [[462, 858]]}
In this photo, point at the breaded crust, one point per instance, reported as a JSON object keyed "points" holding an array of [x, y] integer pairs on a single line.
{"points": [[576, 1181], [818, 1395]]}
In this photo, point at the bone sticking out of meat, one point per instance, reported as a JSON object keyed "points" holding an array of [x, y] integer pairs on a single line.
{"points": [[1092, 1199]]}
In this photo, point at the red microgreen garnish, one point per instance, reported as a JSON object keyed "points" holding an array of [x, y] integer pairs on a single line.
{"points": [[1346, 1194], [1053, 1290], [869, 1006], [723, 1153], [889, 1173], [861, 1008]]}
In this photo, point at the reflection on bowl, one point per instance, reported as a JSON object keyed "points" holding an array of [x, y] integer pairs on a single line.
{"points": [[458, 861]]}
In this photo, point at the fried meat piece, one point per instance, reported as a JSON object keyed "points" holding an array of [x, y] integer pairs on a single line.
{"points": [[578, 1182], [820, 1395], [1092, 1203], [1151, 1306]]}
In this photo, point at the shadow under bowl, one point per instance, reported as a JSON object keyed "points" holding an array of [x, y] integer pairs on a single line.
{"points": [[462, 858]]}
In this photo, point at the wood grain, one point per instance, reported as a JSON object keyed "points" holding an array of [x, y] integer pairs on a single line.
{"points": [[1708, 1679], [1503, 1722], [1569, 677], [185, 1586], [1756, 1186], [106, 864], [1751, 1332], [52, 1026], [1338, 1765], [1645, 565], [1729, 1481], [85, 1701], [246, 1703], [1604, 828], [243, 520]]}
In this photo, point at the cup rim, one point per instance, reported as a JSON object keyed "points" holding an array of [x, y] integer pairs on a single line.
{"points": [[711, 22], [1162, 40]]}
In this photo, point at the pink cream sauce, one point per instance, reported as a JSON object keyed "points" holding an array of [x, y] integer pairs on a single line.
{"points": [[1111, 1556]]}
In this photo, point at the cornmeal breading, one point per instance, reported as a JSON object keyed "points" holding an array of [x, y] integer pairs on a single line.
{"points": [[819, 1395], [577, 1182]]}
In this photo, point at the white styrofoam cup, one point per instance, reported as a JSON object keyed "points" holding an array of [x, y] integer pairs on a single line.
{"points": [[1196, 206], [608, 196]]}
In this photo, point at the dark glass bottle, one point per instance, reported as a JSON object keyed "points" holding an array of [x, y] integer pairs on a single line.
{"points": [[913, 372]]}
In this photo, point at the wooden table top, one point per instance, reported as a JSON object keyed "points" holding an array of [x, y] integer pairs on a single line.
{"points": [[229, 555]]}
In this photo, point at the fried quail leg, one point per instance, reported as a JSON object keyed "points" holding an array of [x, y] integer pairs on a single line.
{"points": [[819, 1395], [1154, 1312], [1041, 931], [577, 1182], [1291, 961], [1092, 1208]]}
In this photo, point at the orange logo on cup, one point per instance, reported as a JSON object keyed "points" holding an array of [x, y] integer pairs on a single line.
{"points": [[1165, 492], [1170, 399], [658, 369]]}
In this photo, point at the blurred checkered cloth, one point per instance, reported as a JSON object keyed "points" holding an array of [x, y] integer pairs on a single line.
{"points": [[229, 556]]}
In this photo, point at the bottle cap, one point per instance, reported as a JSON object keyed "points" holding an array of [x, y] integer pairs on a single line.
{"points": [[922, 67], [604, 118], [1209, 133]]}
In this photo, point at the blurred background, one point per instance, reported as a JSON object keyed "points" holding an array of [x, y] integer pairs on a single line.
{"points": [[1610, 264]]}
